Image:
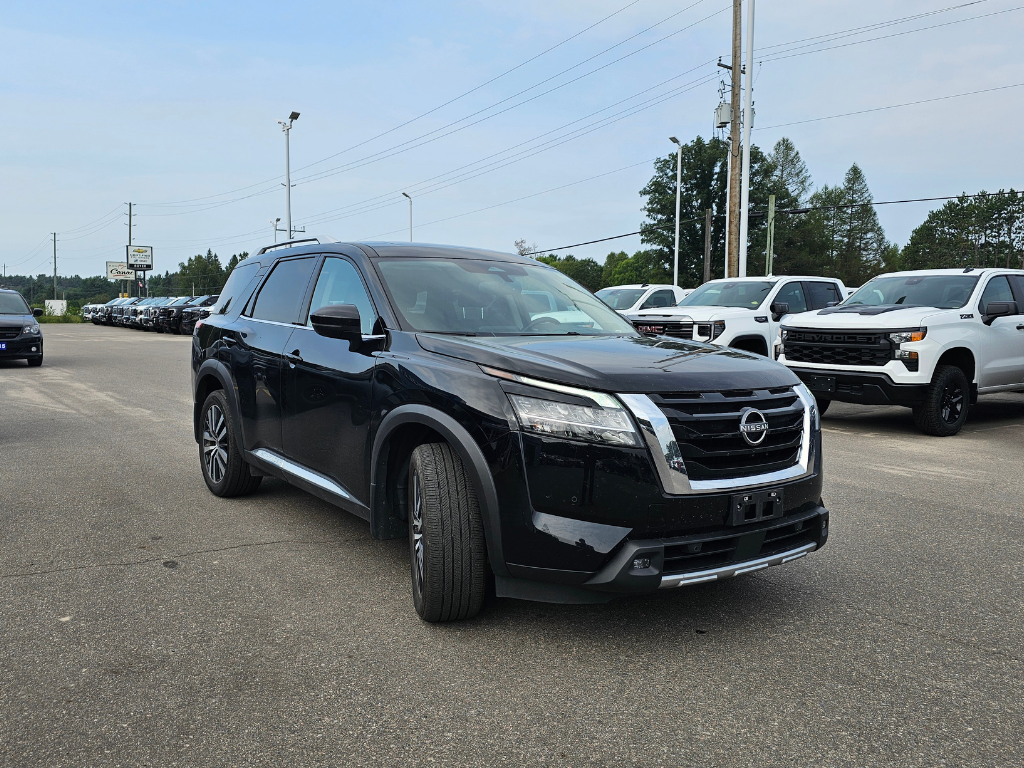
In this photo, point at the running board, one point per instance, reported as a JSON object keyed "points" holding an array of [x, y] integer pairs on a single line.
{"points": [[314, 482]]}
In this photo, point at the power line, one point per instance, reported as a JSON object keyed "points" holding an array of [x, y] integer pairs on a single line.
{"points": [[891, 106]]}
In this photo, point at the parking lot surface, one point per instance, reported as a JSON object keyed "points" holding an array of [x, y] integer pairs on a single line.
{"points": [[146, 622]]}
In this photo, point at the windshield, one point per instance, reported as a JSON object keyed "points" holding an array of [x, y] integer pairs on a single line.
{"points": [[939, 291], [722, 293], [13, 304], [494, 298], [182, 300], [621, 298]]}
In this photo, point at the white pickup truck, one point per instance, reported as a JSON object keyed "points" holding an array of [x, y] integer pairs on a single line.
{"points": [[742, 312], [932, 340], [631, 298]]}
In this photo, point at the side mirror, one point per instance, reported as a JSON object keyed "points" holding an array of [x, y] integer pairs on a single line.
{"points": [[831, 303], [999, 309], [338, 321], [779, 308], [37, 313]]}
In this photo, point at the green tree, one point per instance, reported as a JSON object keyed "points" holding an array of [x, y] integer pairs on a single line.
{"points": [[586, 272]]}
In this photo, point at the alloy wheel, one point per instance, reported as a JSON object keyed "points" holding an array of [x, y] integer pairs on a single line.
{"points": [[952, 403], [215, 444], [417, 527]]}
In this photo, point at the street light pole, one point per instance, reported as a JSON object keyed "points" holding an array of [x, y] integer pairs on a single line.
{"points": [[287, 128], [274, 223], [679, 183], [410, 216]]}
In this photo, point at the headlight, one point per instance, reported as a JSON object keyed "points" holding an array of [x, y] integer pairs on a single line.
{"points": [[709, 331], [31, 329], [784, 333], [901, 336], [606, 421], [805, 394]]}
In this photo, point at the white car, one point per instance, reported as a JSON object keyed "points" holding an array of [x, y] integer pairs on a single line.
{"points": [[743, 312], [632, 298], [932, 340]]}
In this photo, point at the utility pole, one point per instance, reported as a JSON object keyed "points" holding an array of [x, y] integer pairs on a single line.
{"points": [[410, 216], [748, 121], [54, 266], [707, 245], [732, 242], [136, 280], [769, 257], [679, 184]]}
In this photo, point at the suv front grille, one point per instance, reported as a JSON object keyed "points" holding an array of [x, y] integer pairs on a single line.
{"points": [[10, 331], [706, 426], [692, 553], [674, 329], [824, 348]]}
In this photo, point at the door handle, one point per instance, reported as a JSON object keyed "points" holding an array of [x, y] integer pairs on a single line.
{"points": [[293, 358], [1020, 327]]}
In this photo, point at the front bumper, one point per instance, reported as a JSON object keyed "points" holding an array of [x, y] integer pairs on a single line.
{"points": [[22, 348], [859, 387]]}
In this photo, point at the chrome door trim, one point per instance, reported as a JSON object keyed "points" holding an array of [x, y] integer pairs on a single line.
{"points": [[302, 473]]}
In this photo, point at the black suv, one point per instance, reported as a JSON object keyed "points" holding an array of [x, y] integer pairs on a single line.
{"points": [[20, 337], [194, 311], [506, 421]]}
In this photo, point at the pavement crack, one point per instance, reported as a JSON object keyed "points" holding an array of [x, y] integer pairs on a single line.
{"points": [[167, 556]]}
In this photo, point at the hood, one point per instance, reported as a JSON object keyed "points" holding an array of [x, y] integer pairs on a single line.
{"points": [[858, 316], [627, 364], [18, 320], [698, 314]]}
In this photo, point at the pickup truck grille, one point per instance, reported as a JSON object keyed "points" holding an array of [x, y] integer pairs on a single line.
{"points": [[674, 329], [838, 348], [706, 426]]}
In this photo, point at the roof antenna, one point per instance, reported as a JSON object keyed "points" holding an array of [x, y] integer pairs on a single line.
{"points": [[968, 269]]}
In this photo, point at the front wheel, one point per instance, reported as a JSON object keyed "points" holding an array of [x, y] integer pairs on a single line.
{"points": [[944, 409], [225, 471], [446, 536]]}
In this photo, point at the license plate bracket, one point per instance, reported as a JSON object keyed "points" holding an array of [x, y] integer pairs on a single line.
{"points": [[755, 506], [821, 383]]}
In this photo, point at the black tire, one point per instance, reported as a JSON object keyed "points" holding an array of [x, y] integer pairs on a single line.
{"points": [[446, 536], [946, 402], [224, 470], [823, 404], [35, 362]]}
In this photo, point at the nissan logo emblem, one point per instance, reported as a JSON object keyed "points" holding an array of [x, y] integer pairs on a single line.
{"points": [[753, 426]]}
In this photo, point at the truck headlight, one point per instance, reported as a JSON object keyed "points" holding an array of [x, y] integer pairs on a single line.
{"points": [[901, 336], [606, 421], [709, 331], [31, 329]]}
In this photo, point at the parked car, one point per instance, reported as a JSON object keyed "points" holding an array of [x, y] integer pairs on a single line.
{"points": [[105, 314], [148, 314], [20, 335], [122, 312], [413, 386], [168, 318], [195, 311], [743, 313], [932, 340], [632, 298]]}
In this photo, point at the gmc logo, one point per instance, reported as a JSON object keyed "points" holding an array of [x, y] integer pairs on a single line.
{"points": [[655, 329]]}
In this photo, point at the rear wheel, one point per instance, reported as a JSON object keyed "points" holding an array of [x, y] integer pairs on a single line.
{"points": [[224, 470], [446, 536], [944, 409]]}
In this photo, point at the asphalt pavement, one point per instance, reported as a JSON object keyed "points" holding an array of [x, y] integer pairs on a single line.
{"points": [[145, 622]]}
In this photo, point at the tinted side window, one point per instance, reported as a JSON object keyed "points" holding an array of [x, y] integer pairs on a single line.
{"points": [[820, 294], [659, 299], [237, 280], [340, 283], [998, 289], [792, 294], [281, 296]]}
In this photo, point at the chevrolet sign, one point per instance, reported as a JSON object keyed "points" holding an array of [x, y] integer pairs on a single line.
{"points": [[140, 257]]}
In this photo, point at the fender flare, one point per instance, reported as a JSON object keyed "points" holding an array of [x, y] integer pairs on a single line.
{"points": [[753, 337], [472, 458], [219, 371]]}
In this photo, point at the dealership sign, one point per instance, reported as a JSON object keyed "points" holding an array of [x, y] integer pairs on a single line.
{"points": [[118, 270], [140, 257]]}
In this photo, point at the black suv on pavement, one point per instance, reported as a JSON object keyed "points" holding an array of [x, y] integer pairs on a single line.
{"points": [[194, 311], [20, 336], [506, 421]]}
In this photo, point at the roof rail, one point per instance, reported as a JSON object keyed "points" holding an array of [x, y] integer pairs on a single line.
{"points": [[287, 244]]}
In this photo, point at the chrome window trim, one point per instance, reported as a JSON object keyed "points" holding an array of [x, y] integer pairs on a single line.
{"points": [[671, 468], [736, 569]]}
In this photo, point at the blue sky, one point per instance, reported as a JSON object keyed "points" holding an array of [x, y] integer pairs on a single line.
{"points": [[160, 103]]}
